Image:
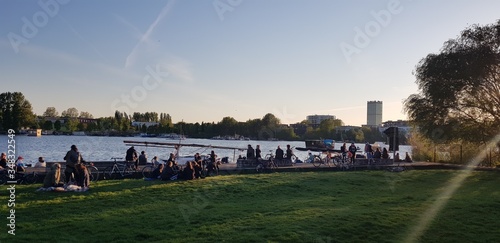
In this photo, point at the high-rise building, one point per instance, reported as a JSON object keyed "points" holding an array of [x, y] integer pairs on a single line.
{"points": [[374, 113]]}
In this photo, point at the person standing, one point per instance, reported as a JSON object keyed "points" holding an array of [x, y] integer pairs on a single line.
{"points": [[72, 158], [352, 150], [289, 152], [131, 156], [258, 153], [369, 152], [250, 152], [343, 150], [279, 153]]}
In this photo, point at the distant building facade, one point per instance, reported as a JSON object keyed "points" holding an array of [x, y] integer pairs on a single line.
{"points": [[374, 113], [315, 120], [147, 124]]}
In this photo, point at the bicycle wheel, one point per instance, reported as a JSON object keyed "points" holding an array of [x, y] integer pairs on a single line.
{"points": [[259, 168], [30, 178], [272, 164], [110, 173], [94, 173], [317, 161], [147, 171], [337, 161]]}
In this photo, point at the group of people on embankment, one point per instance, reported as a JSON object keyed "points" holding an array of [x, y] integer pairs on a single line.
{"points": [[75, 171], [171, 170]]}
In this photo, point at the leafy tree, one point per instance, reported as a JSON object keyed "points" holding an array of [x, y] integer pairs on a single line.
{"points": [[228, 125], [270, 120], [81, 126], [70, 112], [15, 111], [459, 95], [51, 112], [327, 127], [71, 124], [85, 114], [57, 125], [47, 125]]}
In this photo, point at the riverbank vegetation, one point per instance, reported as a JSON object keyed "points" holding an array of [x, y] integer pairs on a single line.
{"points": [[368, 206], [457, 111], [268, 127]]}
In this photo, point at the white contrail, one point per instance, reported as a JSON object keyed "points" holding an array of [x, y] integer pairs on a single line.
{"points": [[443, 198], [132, 56]]}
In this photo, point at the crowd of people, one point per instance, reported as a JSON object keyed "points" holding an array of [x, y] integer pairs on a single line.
{"points": [[171, 170], [75, 171]]}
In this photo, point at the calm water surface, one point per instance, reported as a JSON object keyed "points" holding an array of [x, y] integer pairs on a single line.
{"points": [[54, 148]]}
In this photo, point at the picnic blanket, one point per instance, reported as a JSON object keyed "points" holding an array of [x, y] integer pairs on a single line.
{"points": [[69, 188]]}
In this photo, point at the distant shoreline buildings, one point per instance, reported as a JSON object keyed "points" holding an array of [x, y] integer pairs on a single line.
{"points": [[374, 111]]}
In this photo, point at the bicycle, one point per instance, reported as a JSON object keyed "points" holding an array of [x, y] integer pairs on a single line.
{"points": [[20, 178], [318, 161], [147, 171], [93, 171], [267, 164], [118, 169], [342, 162]]}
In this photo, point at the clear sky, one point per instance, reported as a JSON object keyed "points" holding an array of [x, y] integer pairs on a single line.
{"points": [[202, 60]]}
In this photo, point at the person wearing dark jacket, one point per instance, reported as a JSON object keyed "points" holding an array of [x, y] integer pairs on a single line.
{"points": [[168, 172], [82, 176], [189, 171], [73, 158], [258, 153], [157, 172], [131, 156], [250, 152], [385, 154], [279, 153], [352, 150]]}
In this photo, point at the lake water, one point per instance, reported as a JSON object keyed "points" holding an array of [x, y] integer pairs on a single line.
{"points": [[54, 148]]}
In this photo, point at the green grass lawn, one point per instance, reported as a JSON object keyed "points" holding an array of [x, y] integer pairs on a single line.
{"points": [[368, 206]]}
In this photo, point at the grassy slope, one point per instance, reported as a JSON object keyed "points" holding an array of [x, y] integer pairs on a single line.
{"points": [[282, 207]]}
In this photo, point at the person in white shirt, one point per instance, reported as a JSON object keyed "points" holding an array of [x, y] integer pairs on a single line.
{"points": [[41, 163]]}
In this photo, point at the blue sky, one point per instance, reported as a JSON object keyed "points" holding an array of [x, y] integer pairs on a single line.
{"points": [[203, 60]]}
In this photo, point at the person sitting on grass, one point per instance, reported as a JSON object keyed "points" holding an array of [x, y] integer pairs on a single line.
{"points": [[82, 176], [157, 172], [168, 172], [197, 169], [53, 177], [188, 172]]}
